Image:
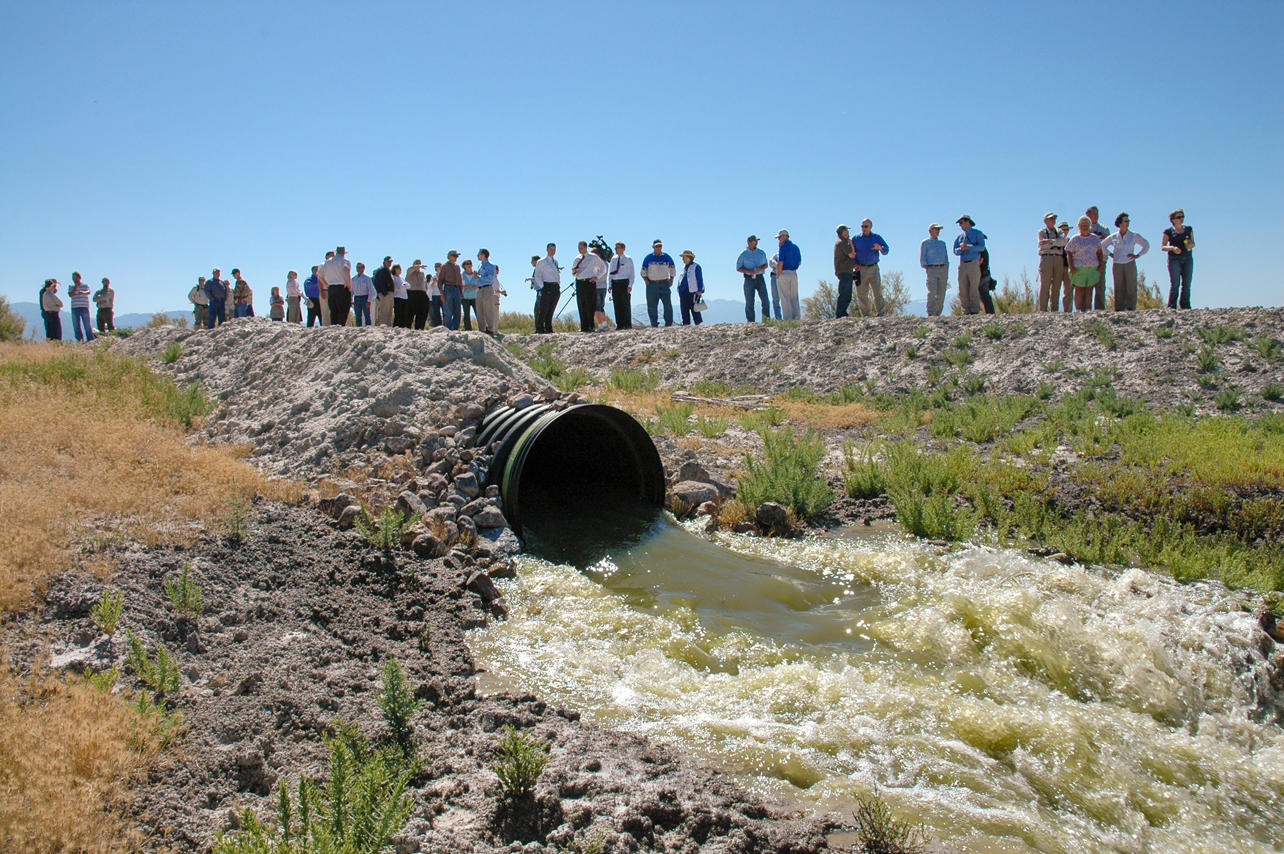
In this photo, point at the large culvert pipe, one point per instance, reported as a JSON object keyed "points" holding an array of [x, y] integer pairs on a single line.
{"points": [[549, 460]]}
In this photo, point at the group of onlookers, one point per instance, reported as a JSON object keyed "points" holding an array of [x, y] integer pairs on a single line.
{"points": [[449, 295], [81, 295]]}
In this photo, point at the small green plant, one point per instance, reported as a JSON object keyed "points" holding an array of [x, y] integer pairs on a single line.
{"points": [[184, 595], [1165, 331], [595, 844], [957, 356], [1267, 347], [962, 340], [158, 671], [974, 384], [758, 420], [358, 811], [519, 762], [675, 418], [106, 611], [711, 426], [1053, 366], [398, 704], [911, 351], [634, 379], [1207, 380], [863, 476], [880, 832], [574, 378], [383, 532], [1103, 332], [424, 639], [1227, 399], [545, 362], [187, 405], [237, 522], [788, 473], [935, 373], [993, 331], [919, 331], [103, 680], [164, 723], [1219, 334], [1206, 359], [172, 353], [1043, 391], [1272, 391]]}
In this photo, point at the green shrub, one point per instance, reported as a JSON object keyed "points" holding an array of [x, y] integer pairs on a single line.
{"points": [[1206, 359], [1104, 333], [919, 331], [1043, 391], [924, 487], [1272, 391], [1267, 347], [385, 531], [957, 356], [161, 720], [675, 418], [546, 362], [398, 704], [104, 680], [993, 331], [172, 353], [864, 476], [519, 762], [981, 418], [879, 832], [911, 351], [635, 379], [158, 671], [758, 420], [1165, 331], [962, 340], [711, 426], [1219, 334], [237, 521], [106, 611], [11, 325], [788, 473], [974, 384], [358, 811], [187, 405], [1227, 399], [184, 594]]}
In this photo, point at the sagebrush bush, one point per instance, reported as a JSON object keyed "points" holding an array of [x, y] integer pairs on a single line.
{"points": [[11, 325], [384, 531], [172, 353], [879, 832], [788, 473]]}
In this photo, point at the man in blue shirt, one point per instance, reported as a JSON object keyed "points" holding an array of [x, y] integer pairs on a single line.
{"points": [[312, 292], [787, 275], [487, 294], [751, 264], [658, 271], [968, 246], [934, 258], [216, 290], [869, 246]]}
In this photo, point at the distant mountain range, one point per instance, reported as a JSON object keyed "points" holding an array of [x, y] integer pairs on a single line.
{"points": [[30, 312]]}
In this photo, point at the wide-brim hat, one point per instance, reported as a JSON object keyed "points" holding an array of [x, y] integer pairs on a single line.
{"points": [[687, 253]]}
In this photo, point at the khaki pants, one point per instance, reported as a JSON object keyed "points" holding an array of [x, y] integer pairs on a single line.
{"points": [[325, 309], [383, 312], [938, 281], [486, 310], [1099, 295], [1052, 275], [1125, 286], [869, 278], [787, 283], [970, 286]]}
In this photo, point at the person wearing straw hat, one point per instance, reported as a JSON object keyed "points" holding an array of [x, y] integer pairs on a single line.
{"points": [[934, 258], [1052, 262], [690, 289], [968, 246]]}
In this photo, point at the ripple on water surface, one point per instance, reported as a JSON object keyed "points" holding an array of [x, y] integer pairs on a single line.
{"points": [[1013, 704]]}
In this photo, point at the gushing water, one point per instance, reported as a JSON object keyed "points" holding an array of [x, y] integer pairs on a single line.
{"points": [[1011, 703]]}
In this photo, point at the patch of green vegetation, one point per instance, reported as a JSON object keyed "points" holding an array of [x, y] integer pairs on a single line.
{"points": [[158, 670], [973, 384], [1219, 334], [398, 705], [385, 530], [758, 420], [675, 418], [546, 362], [711, 426], [106, 611], [1267, 347], [788, 473], [962, 340], [1207, 360], [184, 594], [957, 356], [981, 418], [574, 378], [1165, 331], [519, 762], [1043, 391], [1272, 391], [801, 393], [911, 351], [1227, 399], [879, 832], [1104, 333], [993, 331], [172, 353], [919, 332], [635, 379], [864, 476]]}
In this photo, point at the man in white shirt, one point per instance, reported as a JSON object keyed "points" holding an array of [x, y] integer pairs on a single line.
{"points": [[587, 269], [620, 273], [336, 277], [547, 279], [362, 292]]}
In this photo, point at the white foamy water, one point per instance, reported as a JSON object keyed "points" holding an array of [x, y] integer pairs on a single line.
{"points": [[1011, 703]]}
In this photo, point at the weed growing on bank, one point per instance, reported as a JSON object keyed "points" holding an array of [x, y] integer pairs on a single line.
{"points": [[106, 611], [398, 705], [632, 380], [788, 473], [384, 531], [879, 832], [519, 762], [184, 594], [172, 353]]}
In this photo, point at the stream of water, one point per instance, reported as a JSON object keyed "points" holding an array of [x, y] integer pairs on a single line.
{"points": [[1013, 704]]}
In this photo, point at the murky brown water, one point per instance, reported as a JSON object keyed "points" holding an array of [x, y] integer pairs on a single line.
{"points": [[1013, 704]]}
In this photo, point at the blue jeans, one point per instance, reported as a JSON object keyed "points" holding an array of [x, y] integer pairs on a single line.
{"points": [[1181, 268], [452, 301], [755, 285], [687, 303], [361, 310], [844, 293], [775, 299], [242, 309], [217, 312], [81, 326], [659, 292]]}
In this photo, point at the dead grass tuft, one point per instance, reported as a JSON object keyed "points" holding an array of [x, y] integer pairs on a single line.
{"points": [[68, 754], [826, 416]]}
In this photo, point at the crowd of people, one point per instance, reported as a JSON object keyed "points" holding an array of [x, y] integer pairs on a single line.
{"points": [[1072, 277]]}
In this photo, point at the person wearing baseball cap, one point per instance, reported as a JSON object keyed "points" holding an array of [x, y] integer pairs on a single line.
{"points": [[751, 264], [789, 259], [934, 258], [869, 246], [659, 271], [1052, 264], [844, 269], [968, 246]]}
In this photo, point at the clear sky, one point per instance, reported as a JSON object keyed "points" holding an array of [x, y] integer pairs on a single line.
{"points": [[151, 141]]}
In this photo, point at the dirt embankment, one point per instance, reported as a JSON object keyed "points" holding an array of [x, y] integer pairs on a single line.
{"points": [[301, 615]]}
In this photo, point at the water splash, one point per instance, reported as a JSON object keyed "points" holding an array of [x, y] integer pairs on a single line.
{"points": [[1012, 703]]}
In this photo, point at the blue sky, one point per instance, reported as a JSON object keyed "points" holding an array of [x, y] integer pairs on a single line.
{"points": [[150, 142]]}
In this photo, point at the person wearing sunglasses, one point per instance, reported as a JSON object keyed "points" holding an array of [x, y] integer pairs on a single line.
{"points": [[1124, 247], [1178, 242]]}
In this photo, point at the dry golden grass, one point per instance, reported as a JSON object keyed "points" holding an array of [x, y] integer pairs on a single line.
{"points": [[827, 416], [92, 453], [68, 754]]}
